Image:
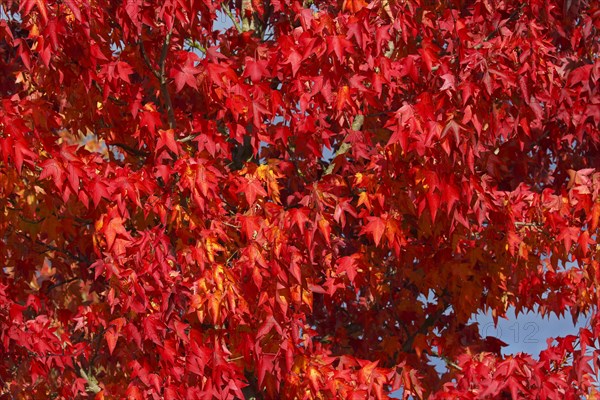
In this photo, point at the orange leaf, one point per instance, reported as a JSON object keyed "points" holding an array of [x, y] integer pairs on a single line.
{"points": [[343, 96], [354, 6]]}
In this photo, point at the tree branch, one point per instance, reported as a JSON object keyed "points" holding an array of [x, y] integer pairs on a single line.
{"points": [[448, 361], [193, 44], [55, 285], [161, 76], [228, 12], [527, 224], [130, 149], [163, 80], [429, 322], [50, 247], [111, 98], [188, 138], [4, 384], [357, 124], [147, 60], [248, 16]]}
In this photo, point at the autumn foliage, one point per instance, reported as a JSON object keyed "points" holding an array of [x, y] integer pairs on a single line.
{"points": [[296, 200]]}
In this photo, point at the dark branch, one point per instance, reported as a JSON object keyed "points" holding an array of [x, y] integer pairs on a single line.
{"points": [[160, 74], [423, 329], [163, 81], [147, 60]]}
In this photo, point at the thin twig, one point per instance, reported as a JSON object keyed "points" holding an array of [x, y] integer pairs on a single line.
{"points": [[527, 224], [231, 256], [55, 285], [65, 252], [50, 247], [188, 138], [539, 227], [30, 221]]}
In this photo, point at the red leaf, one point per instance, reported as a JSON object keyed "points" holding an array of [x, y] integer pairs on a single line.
{"points": [[294, 59], [298, 217], [111, 337], [338, 44], [251, 188], [167, 138], [150, 118], [184, 73], [448, 81], [256, 69], [325, 229], [52, 168], [27, 6], [112, 229], [134, 393], [250, 225], [99, 190], [349, 266], [375, 227], [433, 201], [74, 9]]}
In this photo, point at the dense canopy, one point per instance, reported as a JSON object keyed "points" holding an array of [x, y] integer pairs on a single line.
{"points": [[281, 199]]}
